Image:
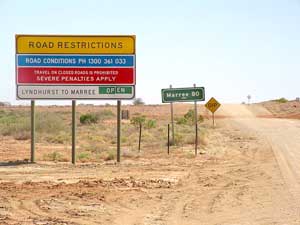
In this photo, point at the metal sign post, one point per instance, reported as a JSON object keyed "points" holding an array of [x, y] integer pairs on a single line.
{"points": [[73, 131], [172, 121], [249, 98], [119, 131], [32, 157], [196, 126]]}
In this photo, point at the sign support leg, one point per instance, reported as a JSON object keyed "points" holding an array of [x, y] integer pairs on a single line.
{"points": [[73, 131], [213, 116], [196, 126], [32, 156], [118, 130], [196, 141], [172, 122]]}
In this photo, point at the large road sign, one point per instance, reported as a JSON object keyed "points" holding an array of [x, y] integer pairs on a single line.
{"points": [[212, 105], [74, 67], [190, 94]]}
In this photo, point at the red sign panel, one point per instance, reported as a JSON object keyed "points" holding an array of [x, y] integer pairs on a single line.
{"points": [[63, 76]]}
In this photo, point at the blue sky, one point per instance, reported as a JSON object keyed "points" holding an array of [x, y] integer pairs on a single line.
{"points": [[231, 47]]}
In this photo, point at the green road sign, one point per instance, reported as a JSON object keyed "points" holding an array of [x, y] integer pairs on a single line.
{"points": [[183, 94], [116, 90]]}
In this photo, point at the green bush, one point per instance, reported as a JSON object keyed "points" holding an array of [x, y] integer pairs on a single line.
{"points": [[141, 119], [181, 121], [83, 156], [137, 120], [150, 124], [189, 118], [88, 118], [281, 100], [190, 115]]}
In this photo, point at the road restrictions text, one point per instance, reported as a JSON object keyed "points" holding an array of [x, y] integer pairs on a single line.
{"points": [[45, 44]]}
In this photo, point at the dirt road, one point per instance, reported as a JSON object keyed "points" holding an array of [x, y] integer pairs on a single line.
{"points": [[282, 134], [238, 181]]}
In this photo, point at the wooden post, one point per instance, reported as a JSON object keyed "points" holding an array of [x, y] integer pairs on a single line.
{"points": [[73, 131], [172, 122], [140, 137], [196, 126], [213, 116], [32, 155], [119, 131]]}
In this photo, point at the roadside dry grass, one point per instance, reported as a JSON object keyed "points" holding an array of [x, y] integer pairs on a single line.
{"points": [[96, 131]]}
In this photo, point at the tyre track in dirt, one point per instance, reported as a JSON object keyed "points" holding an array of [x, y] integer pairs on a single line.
{"points": [[238, 187]]}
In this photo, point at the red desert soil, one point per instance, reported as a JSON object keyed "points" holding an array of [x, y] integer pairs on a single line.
{"points": [[238, 180]]}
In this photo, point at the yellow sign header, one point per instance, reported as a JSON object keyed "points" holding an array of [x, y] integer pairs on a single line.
{"points": [[58, 44]]}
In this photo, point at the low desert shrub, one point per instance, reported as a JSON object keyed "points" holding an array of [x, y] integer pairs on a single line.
{"points": [[137, 120], [53, 156], [84, 156], [88, 118], [149, 124], [281, 100]]}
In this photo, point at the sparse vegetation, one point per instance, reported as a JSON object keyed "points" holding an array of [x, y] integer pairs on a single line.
{"points": [[22, 135], [137, 120], [97, 140], [92, 118], [88, 118], [54, 156], [146, 123], [61, 138], [281, 100], [105, 115], [16, 124], [150, 124], [109, 155], [189, 118], [84, 156]]}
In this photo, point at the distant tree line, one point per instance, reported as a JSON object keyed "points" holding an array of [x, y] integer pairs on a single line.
{"points": [[5, 104]]}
